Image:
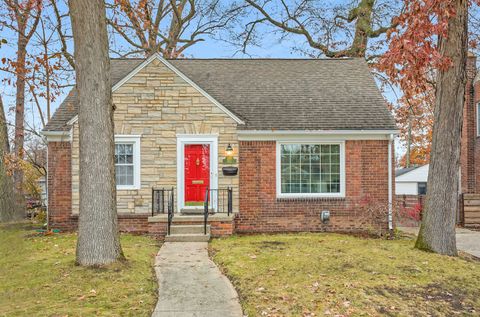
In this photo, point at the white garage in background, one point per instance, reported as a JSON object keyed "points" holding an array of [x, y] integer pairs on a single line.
{"points": [[411, 181]]}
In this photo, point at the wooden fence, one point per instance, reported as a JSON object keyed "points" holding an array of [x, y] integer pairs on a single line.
{"points": [[471, 210]]}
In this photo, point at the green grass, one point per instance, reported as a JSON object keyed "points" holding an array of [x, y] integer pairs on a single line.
{"points": [[38, 277], [332, 274]]}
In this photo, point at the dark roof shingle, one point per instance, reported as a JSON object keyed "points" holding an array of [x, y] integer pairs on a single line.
{"points": [[277, 94]]}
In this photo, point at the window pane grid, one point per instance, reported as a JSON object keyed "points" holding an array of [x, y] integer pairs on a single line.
{"points": [[124, 165], [310, 168]]}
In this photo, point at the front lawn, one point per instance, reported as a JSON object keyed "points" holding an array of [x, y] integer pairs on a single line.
{"points": [[333, 274], [38, 277]]}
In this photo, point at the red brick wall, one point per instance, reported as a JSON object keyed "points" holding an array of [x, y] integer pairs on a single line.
{"points": [[469, 145], [476, 97], [60, 186], [138, 224], [366, 168]]}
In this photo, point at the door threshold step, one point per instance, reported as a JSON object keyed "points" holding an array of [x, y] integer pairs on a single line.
{"points": [[187, 237], [188, 229], [194, 211]]}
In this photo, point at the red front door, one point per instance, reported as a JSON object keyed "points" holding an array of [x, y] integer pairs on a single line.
{"points": [[197, 173]]}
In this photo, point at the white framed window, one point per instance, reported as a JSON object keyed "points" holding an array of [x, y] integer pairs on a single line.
{"points": [[478, 119], [127, 161], [310, 169]]}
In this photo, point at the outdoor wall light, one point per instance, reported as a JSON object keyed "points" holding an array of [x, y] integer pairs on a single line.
{"points": [[325, 216], [229, 170], [229, 155]]}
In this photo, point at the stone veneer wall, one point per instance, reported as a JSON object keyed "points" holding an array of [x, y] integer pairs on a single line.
{"points": [[366, 172], [157, 104]]}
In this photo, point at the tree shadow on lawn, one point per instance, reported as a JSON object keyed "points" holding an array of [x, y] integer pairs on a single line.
{"points": [[438, 299]]}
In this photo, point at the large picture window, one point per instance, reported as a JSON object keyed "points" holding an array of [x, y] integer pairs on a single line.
{"points": [[310, 169], [127, 162]]}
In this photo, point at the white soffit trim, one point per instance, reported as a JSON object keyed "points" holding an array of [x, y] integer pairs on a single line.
{"points": [[274, 135], [57, 136], [183, 76]]}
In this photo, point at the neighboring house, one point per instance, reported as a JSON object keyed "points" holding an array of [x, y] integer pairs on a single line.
{"points": [[411, 181], [470, 148], [306, 136], [410, 191]]}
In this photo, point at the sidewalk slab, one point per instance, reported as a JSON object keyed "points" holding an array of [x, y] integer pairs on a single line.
{"points": [[191, 285], [467, 240]]}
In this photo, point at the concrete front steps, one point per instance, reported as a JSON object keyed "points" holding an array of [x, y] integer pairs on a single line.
{"points": [[218, 225], [188, 233]]}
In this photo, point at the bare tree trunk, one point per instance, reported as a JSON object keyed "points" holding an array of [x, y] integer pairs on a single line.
{"points": [[22, 13], [20, 113], [437, 232], [98, 238], [4, 142], [363, 28], [8, 208]]}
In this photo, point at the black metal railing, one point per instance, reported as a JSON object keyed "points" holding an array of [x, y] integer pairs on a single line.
{"points": [[171, 203], [223, 198], [205, 211], [161, 199], [224, 202]]}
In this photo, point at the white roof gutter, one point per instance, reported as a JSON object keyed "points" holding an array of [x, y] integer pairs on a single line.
{"points": [[57, 136], [267, 135]]}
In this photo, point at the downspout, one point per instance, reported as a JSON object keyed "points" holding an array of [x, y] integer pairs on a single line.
{"points": [[390, 187], [46, 192]]}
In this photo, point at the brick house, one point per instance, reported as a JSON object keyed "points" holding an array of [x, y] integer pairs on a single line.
{"points": [[470, 148], [272, 144]]}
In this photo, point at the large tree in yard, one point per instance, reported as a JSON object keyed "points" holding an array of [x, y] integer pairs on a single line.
{"points": [[168, 27], [329, 28], [98, 238], [23, 17], [8, 207], [437, 232], [414, 51]]}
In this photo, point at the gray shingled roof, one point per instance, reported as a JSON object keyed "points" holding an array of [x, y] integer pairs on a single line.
{"points": [[277, 94], [401, 171]]}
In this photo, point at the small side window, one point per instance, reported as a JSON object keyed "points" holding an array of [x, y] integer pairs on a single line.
{"points": [[127, 162], [422, 188]]}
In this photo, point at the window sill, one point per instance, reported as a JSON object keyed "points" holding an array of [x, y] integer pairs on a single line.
{"points": [[311, 198], [121, 188]]}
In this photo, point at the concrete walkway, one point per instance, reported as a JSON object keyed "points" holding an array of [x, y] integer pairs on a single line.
{"points": [[190, 284], [467, 240]]}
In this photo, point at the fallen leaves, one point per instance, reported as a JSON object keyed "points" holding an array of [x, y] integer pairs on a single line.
{"points": [[345, 276]]}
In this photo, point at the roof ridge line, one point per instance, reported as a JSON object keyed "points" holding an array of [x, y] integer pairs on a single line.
{"points": [[242, 59]]}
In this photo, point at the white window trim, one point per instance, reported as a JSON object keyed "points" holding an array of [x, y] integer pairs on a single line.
{"points": [[278, 173], [135, 140]]}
